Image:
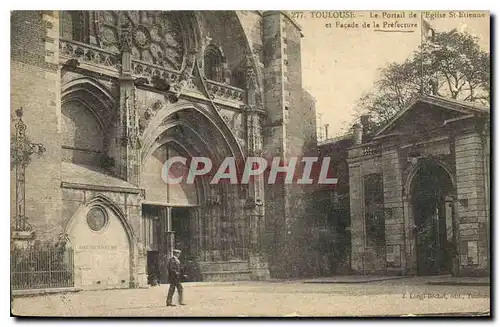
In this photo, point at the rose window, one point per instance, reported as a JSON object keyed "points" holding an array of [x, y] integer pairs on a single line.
{"points": [[156, 35]]}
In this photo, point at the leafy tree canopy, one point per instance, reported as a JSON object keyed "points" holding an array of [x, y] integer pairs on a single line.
{"points": [[450, 64]]}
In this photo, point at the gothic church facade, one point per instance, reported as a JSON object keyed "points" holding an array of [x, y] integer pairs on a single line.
{"points": [[113, 94]]}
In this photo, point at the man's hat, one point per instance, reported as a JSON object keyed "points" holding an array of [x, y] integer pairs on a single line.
{"points": [[177, 251]]}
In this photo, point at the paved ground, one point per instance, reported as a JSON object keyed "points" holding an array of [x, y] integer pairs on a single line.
{"points": [[294, 298]]}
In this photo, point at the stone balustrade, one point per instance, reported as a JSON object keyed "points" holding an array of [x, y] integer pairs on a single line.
{"points": [[100, 58], [225, 91], [148, 70], [87, 53]]}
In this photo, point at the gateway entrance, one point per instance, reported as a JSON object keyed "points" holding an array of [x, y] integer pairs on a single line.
{"points": [[433, 214]]}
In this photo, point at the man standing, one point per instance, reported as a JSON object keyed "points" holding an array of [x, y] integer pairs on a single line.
{"points": [[174, 278]]}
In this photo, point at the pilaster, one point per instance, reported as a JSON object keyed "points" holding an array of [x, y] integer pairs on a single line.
{"points": [[128, 121], [357, 216], [471, 194], [393, 209], [255, 201]]}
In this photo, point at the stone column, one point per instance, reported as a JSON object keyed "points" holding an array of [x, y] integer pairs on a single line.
{"points": [[410, 257], [197, 232], [487, 177], [170, 234]]}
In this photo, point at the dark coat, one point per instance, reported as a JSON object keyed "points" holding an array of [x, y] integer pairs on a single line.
{"points": [[174, 270]]}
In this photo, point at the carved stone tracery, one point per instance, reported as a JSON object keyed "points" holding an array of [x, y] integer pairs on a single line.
{"points": [[154, 36]]}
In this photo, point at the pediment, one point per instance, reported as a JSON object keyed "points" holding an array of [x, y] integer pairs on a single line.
{"points": [[427, 114]]}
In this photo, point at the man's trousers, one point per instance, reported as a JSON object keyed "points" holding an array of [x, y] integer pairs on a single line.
{"points": [[171, 291]]}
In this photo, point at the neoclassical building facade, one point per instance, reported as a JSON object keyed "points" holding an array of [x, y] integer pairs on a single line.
{"points": [[420, 191], [113, 94]]}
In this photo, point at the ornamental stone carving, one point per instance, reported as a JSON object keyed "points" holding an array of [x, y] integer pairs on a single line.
{"points": [[148, 115], [155, 36]]}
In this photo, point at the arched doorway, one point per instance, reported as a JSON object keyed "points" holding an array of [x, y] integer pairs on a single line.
{"points": [[201, 219], [431, 190]]}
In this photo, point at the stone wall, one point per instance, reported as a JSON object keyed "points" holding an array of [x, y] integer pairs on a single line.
{"points": [[35, 86], [274, 134], [289, 132], [357, 216], [365, 257]]}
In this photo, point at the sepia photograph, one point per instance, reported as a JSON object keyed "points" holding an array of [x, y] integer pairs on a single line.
{"points": [[265, 163]]}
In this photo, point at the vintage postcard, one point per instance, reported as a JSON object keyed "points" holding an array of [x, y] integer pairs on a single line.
{"points": [[250, 163]]}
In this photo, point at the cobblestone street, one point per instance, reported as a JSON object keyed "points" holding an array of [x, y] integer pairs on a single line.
{"points": [[291, 298]]}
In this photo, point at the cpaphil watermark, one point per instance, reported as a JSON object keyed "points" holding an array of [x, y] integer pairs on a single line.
{"points": [[301, 171]]}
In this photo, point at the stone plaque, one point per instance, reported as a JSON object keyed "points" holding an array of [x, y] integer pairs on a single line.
{"points": [[96, 219]]}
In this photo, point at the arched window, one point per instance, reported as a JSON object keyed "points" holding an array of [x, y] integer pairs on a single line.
{"points": [[75, 26], [214, 64]]}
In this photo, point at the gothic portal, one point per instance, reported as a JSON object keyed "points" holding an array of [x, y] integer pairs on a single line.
{"points": [[113, 94]]}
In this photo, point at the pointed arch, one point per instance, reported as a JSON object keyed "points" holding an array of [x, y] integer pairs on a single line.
{"points": [[88, 108], [101, 200], [128, 238], [91, 86], [186, 151], [95, 97], [168, 126], [157, 127]]}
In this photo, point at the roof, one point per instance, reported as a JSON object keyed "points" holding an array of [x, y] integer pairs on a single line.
{"points": [[81, 174], [464, 107]]}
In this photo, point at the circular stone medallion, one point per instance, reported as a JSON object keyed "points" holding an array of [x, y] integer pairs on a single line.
{"points": [[96, 219]]}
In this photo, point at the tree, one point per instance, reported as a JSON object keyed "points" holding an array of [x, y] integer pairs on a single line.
{"points": [[450, 64]]}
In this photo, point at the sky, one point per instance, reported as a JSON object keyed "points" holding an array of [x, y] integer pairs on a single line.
{"points": [[339, 63]]}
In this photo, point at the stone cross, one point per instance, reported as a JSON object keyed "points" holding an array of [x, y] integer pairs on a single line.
{"points": [[21, 151]]}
